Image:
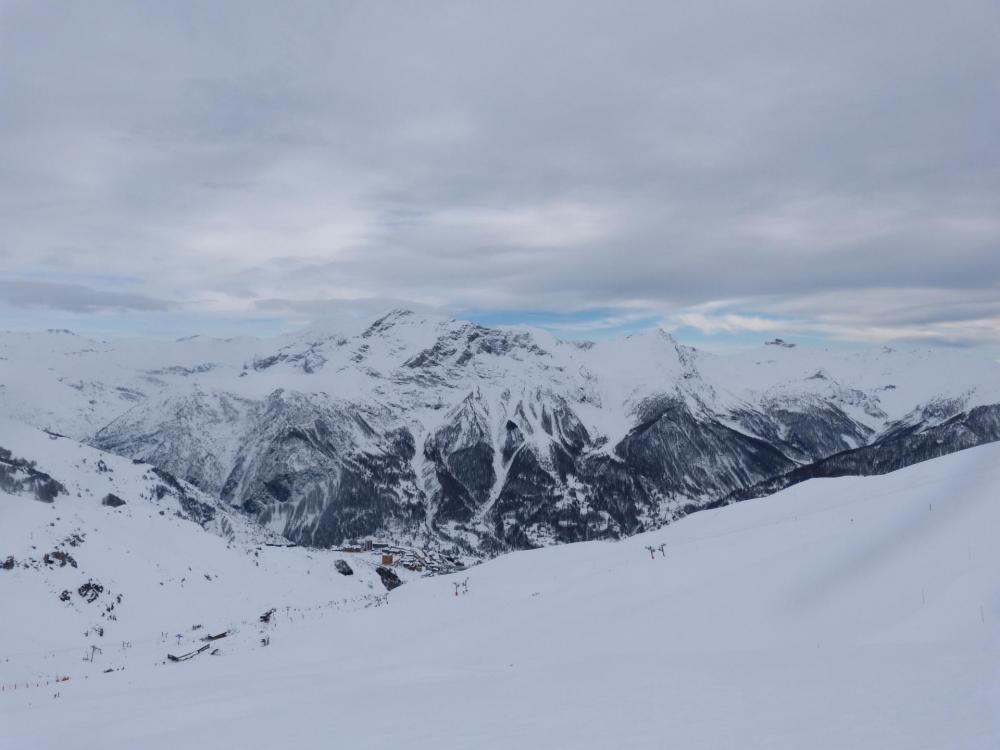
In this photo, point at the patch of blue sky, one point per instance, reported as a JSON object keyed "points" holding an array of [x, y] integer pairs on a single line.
{"points": [[733, 340]]}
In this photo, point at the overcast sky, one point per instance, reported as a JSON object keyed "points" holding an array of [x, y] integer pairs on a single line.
{"points": [[727, 170]]}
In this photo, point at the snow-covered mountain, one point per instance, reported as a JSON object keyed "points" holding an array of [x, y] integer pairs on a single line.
{"points": [[443, 432], [96, 549], [853, 613]]}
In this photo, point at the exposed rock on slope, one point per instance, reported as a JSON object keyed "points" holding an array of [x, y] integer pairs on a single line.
{"points": [[445, 432]]}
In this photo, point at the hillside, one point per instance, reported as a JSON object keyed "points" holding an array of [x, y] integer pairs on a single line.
{"points": [[850, 612], [120, 551]]}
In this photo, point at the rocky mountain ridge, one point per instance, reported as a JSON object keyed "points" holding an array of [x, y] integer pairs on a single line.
{"points": [[451, 434]]}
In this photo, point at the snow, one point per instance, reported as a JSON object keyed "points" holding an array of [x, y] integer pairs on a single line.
{"points": [[76, 386], [167, 568], [896, 379], [840, 613], [194, 404]]}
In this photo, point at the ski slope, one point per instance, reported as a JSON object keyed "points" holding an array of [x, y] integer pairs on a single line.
{"points": [[840, 613], [159, 570]]}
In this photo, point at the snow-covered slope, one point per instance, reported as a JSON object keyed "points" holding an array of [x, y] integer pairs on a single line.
{"points": [[443, 432], [840, 613], [121, 551]]}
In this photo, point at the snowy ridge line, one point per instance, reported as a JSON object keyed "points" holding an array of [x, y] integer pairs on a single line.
{"points": [[990, 470]]}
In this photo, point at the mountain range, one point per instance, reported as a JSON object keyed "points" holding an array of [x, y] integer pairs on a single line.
{"points": [[448, 434]]}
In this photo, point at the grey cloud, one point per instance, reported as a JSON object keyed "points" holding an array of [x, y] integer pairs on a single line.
{"points": [[365, 308], [553, 156], [75, 298]]}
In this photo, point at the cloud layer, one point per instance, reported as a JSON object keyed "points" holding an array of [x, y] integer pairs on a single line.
{"points": [[824, 168]]}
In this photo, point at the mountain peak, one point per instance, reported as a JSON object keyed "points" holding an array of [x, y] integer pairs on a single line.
{"points": [[402, 316], [386, 322]]}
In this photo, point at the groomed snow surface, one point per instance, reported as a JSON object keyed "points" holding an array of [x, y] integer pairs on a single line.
{"points": [[844, 613]]}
